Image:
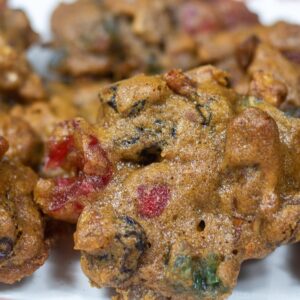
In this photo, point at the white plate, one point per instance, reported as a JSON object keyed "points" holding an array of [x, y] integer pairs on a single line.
{"points": [[275, 278]]}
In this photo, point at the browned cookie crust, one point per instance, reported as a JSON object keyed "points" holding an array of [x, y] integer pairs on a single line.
{"points": [[120, 37], [187, 179], [22, 245], [15, 28]]}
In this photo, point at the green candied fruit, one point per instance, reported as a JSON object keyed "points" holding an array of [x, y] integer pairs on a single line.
{"points": [[292, 112], [205, 276], [249, 101], [153, 66], [197, 275], [111, 26], [212, 278], [183, 264]]}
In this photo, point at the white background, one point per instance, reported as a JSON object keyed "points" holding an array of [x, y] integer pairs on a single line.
{"points": [[275, 278]]}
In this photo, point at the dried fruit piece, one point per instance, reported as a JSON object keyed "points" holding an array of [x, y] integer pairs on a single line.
{"points": [[152, 200], [77, 152], [59, 151], [6, 246]]}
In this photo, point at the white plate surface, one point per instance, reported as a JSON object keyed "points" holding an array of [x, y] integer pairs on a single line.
{"points": [[275, 278]]}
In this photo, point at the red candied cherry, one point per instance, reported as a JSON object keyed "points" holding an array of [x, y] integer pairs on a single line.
{"points": [[152, 200], [66, 190], [87, 181], [58, 152], [234, 13], [197, 18], [293, 56], [78, 151]]}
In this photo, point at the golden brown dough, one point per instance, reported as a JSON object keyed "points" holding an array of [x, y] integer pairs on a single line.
{"points": [[22, 245], [121, 38], [270, 68], [15, 28], [25, 144], [262, 61], [187, 179], [79, 99], [283, 36], [18, 82]]}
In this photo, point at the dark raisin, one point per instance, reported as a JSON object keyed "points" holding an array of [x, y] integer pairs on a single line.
{"points": [[6, 247], [103, 257], [173, 132], [204, 113], [133, 229], [112, 101], [140, 245], [120, 260], [158, 122], [129, 220], [130, 231], [137, 108], [131, 141]]}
